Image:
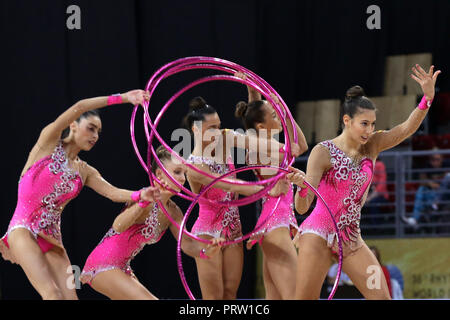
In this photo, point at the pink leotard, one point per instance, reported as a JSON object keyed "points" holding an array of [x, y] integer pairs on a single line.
{"points": [[282, 217], [213, 219], [43, 192], [117, 249], [343, 187]]}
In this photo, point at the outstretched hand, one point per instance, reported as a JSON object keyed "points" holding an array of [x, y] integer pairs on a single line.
{"points": [[427, 80], [151, 194], [136, 96]]}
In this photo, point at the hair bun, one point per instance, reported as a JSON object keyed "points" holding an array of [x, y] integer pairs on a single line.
{"points": [[160, 150], [355, 92], [241, 108], [197, 103]]}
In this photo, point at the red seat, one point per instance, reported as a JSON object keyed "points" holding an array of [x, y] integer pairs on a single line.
{"points": [[423, 142], [443, 141]]}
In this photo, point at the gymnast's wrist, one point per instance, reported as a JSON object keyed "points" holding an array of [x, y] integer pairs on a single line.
{"points": [[136, 197], [303, 192], [425, 103]]}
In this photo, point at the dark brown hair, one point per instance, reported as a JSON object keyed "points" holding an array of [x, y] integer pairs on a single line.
{"points": [[355, 98], [198, 108], [250, 113]]}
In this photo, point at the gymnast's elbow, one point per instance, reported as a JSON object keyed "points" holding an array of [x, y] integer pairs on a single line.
{"points": [[118, 227], [303, 148]]}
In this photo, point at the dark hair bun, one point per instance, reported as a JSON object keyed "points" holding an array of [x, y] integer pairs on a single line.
{"points": [[197, 103], [355, 92], [241, 108]]}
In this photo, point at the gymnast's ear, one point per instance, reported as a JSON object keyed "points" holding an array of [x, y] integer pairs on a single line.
{"points": [[73, 126], [195, 129], [346, 119], [260, 125], [158, 173]]}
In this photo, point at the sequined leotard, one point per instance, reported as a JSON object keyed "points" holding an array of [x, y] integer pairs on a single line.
{"points": [[282, 217], [343, 187], [42, 194], [117, 249], [213, 219]]}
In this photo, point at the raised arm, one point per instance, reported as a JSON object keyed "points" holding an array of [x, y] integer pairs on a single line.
{"points": [[383, 140], [297, 149], [190, 246], [302, 145], [95, 181], [318, 163], [253, 143], [253, 95], [52, 132]]}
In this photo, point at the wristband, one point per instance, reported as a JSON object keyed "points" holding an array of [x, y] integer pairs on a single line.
{"points": [[114, 99], [203, 254], [136, 196], [424, 104], [303, 192], [143, 204]]}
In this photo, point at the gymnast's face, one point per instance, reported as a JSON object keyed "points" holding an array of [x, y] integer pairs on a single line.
{"points": [[271, 121], [362, 125], [86, 132], [210, 129], [177, 171]]}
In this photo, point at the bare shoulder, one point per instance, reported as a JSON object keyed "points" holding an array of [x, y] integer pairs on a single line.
{"points": [[88, 168], [38, 151], [88, 172], [320, 153], [84, 168]]}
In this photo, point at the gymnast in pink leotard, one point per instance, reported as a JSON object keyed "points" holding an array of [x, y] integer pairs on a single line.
{"points": [[217, 220], [52, 176], [279, 255], [108, 269], [341, 169], [220, 276]]}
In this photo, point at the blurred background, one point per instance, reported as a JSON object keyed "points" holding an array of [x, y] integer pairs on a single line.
{"points": [[310, 51]]}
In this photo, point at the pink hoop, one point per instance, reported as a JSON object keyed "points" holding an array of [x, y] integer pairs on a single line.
{"points": [[253, 80]]}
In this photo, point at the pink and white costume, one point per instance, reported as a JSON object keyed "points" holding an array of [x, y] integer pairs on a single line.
{"points": [[43, 192], [343, 188], [282, 217], [213, 219], [117, 249]]}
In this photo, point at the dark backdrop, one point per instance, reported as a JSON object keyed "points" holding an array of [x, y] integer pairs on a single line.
{"points": [[306, 50]]}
